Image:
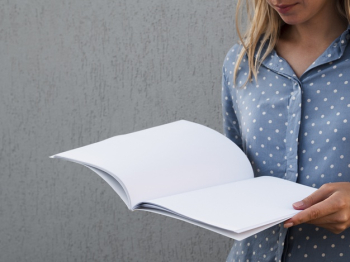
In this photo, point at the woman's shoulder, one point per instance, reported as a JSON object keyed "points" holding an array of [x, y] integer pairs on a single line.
{"points": [[233, 53], [231, 60]]}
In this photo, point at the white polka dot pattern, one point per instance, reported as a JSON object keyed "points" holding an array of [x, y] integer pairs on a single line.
{"points": [[296, 129]]}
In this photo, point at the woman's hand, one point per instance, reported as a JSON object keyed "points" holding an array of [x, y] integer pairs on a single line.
{"points": [[328, 207]]}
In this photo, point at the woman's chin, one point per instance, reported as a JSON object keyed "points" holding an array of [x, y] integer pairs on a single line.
{"points": [[292, 20]]}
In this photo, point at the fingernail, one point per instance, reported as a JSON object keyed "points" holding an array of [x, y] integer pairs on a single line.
{"points": [[288, 225], [298, 204]]}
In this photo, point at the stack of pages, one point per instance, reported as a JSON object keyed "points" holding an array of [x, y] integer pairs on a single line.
{"points": [[193, 173]]}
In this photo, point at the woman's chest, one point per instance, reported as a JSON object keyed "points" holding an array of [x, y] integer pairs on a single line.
{"points": [[277, 99], [286, 122]]}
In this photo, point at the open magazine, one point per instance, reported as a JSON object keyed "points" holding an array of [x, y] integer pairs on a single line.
{"points": [[193, 173]]}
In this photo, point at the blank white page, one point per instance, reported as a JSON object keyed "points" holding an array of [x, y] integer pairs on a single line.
{"points": [[166, 160], [239, 206]]}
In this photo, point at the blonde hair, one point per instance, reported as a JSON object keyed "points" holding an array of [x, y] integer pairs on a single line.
{"points": [[265, 23]]}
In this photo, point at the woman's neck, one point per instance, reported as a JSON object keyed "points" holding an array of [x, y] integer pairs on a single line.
{"points": [[322, 28], [301, 44]]}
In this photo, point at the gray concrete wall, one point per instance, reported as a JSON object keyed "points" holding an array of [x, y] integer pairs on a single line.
{"points": [[76, 72]]}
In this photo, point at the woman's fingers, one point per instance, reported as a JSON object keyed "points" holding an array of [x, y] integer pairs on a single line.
{"points": [[317, 211], [328, 207], [334, 218], [319, 195]]}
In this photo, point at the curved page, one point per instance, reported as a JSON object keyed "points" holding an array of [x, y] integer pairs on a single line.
{"points": [[166, 160], [117, 187]]}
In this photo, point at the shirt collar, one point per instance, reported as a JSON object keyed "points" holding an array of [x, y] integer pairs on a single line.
{"points": [[336, 49], [333, 52]]}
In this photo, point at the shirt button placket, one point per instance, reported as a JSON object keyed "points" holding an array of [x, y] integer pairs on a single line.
{"points": [[292, 133]]}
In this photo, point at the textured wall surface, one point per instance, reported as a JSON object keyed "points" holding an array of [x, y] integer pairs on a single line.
{"points": [[76, 72]]}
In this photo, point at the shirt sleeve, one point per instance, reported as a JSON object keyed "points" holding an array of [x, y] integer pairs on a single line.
{"points": [[230, 121]]}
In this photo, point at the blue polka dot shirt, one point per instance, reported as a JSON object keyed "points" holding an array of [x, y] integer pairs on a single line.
{"points": [[296, 129]]}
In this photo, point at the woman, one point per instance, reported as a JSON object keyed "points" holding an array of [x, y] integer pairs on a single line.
{"points": [[286, 103]]}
